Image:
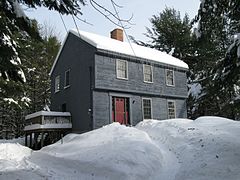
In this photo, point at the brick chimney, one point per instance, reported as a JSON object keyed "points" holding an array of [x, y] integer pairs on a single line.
{"points": [[117, 34]]}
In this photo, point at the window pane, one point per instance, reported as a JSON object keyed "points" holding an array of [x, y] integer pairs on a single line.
{"points": [[57, 83], [122, 69], [147, 109], [67, 75], [169, 77], [171, 110], [147, 73]]}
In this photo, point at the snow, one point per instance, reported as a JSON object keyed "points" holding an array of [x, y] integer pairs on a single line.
{"points": [[22, 75], [19, 140], [48, 126], [109, 44], [25, 99], [47, 113], [176, 149], [197, 30], [18, 9], [194, 89], [237, 41], [10, 100]]}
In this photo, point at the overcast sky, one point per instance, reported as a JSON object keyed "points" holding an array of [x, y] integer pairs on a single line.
{"points": [[141, 10]]}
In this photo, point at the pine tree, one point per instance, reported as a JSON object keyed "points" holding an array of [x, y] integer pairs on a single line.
{"points": [[218, 22], [37, 56], [13, 21], [170, 33], [16, 30]]}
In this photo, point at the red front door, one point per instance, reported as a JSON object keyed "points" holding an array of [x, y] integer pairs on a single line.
{"points": [[120, 110]]}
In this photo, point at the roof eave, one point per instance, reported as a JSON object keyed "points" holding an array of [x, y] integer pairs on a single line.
{"points": [[59, 52]]}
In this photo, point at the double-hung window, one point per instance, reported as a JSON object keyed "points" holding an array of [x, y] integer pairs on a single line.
{"points": [[147, 108], [57, 84], [147, 73], [67, 79], [170, 77], [171, 109], [122, 69]]}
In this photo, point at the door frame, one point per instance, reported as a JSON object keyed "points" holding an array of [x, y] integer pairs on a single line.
{"points": [[111, 95]]}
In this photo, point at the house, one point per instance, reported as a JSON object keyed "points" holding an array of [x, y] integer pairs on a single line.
{"points": [[101, 80]]}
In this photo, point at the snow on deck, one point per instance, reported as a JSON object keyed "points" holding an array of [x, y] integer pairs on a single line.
{"points": [[47, 113], [106, 43], [48, 126]]}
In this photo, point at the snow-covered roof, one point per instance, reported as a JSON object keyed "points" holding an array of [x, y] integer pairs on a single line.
{"points": [[47, 113], [106, 43], [109, 44]]}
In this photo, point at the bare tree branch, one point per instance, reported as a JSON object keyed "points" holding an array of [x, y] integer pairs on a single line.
{"points": [[112, 17], [84, 21]]}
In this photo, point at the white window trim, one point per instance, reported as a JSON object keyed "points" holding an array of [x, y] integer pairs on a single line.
{"points": [[174, 108], [172, 85], [55, 89], [144, 73], [118, 60], [66, 86], [143, 108]]}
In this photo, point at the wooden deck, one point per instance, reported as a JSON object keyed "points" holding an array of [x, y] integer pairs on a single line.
{"points": [[43, 128]]}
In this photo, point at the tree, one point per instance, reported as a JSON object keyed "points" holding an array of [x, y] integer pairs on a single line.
{"points": [[15, 30], [38, 57], [13, 21], [218, 23], [170, 33]]}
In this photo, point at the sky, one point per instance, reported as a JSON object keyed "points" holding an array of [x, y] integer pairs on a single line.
{"points": [[141, 11]]}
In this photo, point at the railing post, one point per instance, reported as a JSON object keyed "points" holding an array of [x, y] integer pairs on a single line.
{"points": [[30, 140], [26, 144], [41, 139], [35, 140]]}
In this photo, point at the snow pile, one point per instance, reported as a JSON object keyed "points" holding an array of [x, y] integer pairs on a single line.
{"points": [[112, 152], [20, 140], [177, 149], [13, 152], [207, 148], [11, 156]]}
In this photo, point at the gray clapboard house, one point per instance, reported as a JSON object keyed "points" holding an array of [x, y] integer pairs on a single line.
{"points": [[101, 80]]}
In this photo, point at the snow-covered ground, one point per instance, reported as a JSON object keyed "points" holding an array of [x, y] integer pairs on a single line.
{"points": [[178, 149]]}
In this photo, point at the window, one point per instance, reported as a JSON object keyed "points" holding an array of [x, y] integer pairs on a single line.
{"points": [[64, 107], [67, 81], [57, 83], [147, 108], [171, 109], [170, 77], [147, 73], [122, 69]]}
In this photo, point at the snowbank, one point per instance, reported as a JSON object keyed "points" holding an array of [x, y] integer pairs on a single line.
{"points": [[112, 152], [207, 148], [177, 149], [20, 140], [11, 156]]}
